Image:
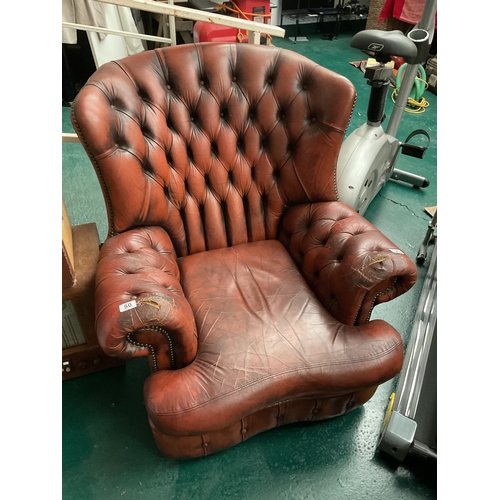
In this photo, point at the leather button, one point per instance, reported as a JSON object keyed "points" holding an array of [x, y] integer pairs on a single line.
{"points": [[243, 431]]}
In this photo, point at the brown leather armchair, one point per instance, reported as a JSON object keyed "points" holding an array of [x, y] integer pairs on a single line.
{"points": [[247, 284]]}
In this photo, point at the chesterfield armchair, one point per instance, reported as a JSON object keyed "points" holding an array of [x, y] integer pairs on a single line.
{"points": [[230, 262]]}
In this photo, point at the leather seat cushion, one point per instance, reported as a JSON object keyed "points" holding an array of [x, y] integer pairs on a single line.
{"points": [[264, 338]]}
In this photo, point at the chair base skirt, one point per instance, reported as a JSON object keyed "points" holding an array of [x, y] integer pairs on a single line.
{"points": [[287, 412]]}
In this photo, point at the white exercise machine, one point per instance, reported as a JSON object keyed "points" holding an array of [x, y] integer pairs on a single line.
{"points": [[368, 156]]}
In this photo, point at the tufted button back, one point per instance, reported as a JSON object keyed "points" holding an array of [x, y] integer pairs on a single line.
{"points": [[212, 142]]}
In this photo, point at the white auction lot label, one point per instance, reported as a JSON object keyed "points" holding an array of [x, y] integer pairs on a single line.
{"points": [[128, 305]]}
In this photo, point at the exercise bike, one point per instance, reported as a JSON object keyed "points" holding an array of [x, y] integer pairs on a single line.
{"points": [[368, 156]]}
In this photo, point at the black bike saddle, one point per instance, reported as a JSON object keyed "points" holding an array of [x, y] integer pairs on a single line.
{"points": [[384, 43]]}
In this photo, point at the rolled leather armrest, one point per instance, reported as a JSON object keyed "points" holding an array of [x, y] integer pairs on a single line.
{"points": [[141, 309], [347, 261]]}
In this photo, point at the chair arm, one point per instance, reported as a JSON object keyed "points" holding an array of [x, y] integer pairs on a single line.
{"points": [[140, 265], [348, 262]]}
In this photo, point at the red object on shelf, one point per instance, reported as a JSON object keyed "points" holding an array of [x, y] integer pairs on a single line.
{"points": [[254, 10], [208, 32]]}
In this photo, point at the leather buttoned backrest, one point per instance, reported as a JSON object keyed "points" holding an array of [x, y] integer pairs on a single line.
{"points": [[212, 141]]}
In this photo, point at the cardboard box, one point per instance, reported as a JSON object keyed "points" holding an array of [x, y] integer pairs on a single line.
{"points": [[81, 353], [68, 258]]}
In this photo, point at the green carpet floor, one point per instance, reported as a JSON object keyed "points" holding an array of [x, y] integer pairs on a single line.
{"points": [[108, 450]]}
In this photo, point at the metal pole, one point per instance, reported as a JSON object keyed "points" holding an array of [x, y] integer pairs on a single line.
{"points": [[426, 23]]}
